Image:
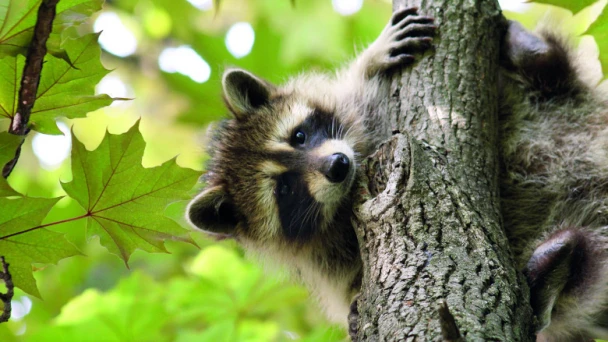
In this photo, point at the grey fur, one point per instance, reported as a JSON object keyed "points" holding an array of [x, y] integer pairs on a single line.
{"points": [[554, 182]]}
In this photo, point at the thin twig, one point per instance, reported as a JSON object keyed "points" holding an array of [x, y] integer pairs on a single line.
{"points": [[8, 296], [31, 76]]}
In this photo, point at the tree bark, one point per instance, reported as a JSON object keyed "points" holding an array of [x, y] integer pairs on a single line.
{"points": [[437, 264]]}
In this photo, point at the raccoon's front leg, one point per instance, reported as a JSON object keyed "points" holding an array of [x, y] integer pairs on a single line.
{"points": [[406, 35], [568, 281], [539, 61]]}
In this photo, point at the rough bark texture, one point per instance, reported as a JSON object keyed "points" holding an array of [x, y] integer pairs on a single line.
{"points": [[428, 219]]}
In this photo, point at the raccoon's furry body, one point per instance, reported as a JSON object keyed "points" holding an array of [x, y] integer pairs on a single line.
{"points": [[282, 170], [554, 183]]}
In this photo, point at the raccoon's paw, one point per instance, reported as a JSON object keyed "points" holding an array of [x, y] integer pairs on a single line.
{"points": [[353, 318], [406, 35], [542, 59], [567, 278]]}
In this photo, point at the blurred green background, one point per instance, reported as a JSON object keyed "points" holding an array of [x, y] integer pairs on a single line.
{"points": [[168, 55]]}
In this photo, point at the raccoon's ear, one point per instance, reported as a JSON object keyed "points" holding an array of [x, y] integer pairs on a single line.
{"points": [[213, 211], [245, 92]]}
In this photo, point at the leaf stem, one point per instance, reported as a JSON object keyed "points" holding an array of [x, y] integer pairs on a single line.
{"points": [[31, 76], [45, 225]]}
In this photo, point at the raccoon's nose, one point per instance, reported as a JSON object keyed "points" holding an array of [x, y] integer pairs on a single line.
{"points": [[337, 167]]}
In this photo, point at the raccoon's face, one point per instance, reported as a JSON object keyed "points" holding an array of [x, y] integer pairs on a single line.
{"points": [[281, 168]]}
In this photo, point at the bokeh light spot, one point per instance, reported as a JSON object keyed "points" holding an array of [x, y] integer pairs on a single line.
{"points": [[52, 150], [347, 7], [240, 39], [185, 61], [519, 6], [157, 22], [115, 87], [204, 5], [116, 38], [20, 308]]}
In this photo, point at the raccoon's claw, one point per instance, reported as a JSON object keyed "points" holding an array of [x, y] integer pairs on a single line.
{"points": [[409, 46], [399, 15], [392, 62], [353, 319], [410, 33], [406, 35]]}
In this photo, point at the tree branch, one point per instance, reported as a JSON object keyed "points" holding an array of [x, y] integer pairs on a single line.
{"points": [[31, 76], [8, 296], [428, 217]]}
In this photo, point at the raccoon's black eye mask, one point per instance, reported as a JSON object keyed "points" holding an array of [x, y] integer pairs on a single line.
{"points": [[318, 127], [299, 213]]}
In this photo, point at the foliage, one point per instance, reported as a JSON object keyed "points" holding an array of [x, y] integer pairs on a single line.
{"points": [[127, 207], [107, 196], [124, 202], [599, 30], [571, 5], [21, 247], [17, 20], [58, 79], [233, 302]]}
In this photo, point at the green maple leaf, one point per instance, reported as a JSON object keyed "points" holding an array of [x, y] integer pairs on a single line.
{"points": [[8, 145], [63, 91], [18, 17], [573, 5], [125, 202], [23, 240], [599, 31]]}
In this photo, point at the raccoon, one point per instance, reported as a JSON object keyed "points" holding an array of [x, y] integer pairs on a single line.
{"points": [[554, 182], [282, 169]]}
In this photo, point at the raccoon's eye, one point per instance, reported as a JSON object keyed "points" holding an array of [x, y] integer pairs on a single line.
{"points": [[299, 138]]}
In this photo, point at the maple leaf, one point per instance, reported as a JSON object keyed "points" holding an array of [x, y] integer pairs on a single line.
{"points": [[23, 240], [64, 90], [18, 17], [125, 202]]}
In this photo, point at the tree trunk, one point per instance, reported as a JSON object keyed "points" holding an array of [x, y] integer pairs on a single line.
{"points": [[428, 217]]}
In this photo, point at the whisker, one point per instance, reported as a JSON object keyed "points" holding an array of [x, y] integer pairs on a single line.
{"points": [[304, 216], [347, 131], [333, 127]]}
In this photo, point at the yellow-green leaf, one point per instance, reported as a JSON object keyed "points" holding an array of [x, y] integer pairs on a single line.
{"points": [[572, 5], [124, 201], [18, 17], [24, 241], [63, 90], [599, 31]]}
